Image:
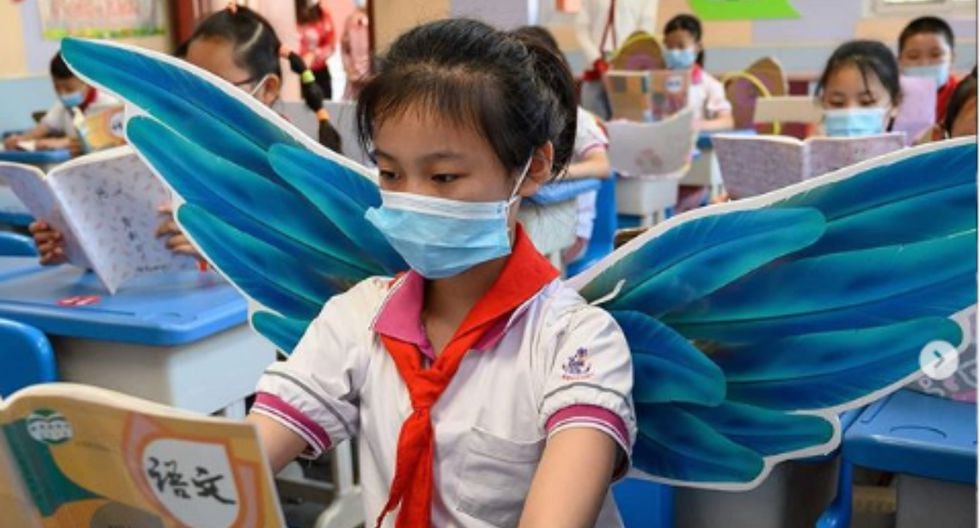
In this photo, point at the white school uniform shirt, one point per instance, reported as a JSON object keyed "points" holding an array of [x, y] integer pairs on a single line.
{"points": [[588, 136], [707, 97], [556, 363], [60, 119]]}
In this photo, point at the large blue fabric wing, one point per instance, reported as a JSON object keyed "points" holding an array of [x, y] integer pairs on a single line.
{"points": [[753, 324], [277, 214]]}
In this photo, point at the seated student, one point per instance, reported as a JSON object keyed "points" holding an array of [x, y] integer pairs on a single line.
{"points": [[859, 89], [57, 129], [925, 49], [589, 158], [682, 38], [240, 46]]}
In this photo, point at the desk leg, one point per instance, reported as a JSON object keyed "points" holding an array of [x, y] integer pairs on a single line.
{"points": [[235, 411]]}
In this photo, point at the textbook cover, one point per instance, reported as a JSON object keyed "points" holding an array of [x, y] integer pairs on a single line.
{"points": [[74, 455], [754, 165], [106, 206]]}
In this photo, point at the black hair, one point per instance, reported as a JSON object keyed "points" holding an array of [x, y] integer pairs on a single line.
{"points": [[514, 91], [59, 69], [926, 24], [692, 25], [306, 13], [965, 90], [544, 38], [257, 50], [868, 56]]}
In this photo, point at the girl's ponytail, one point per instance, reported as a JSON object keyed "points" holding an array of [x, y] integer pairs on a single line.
{"points": [[313, 96], [556, 78]]}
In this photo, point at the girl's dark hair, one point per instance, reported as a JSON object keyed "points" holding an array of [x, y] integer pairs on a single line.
{"points": [[868, 56], [692, 25], [514, 91], [965, 90], [257, 50], [60, 70], [543, 38], [926, 24], [306, 13]]}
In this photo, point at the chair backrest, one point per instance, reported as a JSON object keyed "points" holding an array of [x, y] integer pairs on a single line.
{"points": [[16, 245], [26, 357], [640, 51], [763, 78]]}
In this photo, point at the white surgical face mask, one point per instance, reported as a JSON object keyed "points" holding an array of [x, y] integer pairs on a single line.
{"points": [[441, 238]]}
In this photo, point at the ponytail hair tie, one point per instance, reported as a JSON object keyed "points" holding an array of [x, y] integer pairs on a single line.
{"points": [[322, 115], [307, 76]]}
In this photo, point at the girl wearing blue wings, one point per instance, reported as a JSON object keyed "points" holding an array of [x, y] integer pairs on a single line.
{"points": [[482, 390]]}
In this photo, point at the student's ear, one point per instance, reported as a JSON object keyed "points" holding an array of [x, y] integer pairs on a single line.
{"points": [[271, 90], [539, 171]]}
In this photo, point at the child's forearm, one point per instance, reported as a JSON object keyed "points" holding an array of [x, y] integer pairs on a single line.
{"points": [[281, 445], [595, 165], [722, 121], [567, 495]]}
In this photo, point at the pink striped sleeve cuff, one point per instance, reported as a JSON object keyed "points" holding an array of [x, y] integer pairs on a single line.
{"points": [[581, 415], [273, 407]]}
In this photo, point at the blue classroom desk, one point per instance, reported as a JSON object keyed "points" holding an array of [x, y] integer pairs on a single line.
{"points": [[43, 159], [177, 338], [12, 211]]}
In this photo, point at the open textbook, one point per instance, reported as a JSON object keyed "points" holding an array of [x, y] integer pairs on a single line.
{"points": [[753, 165], [106, 206], [661, 148], [79, 456]]}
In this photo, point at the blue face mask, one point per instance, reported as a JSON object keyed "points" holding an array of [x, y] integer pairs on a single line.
{"points": [[939, 73], [679, 59], [851, 122], [441, 238], [73, 99]]}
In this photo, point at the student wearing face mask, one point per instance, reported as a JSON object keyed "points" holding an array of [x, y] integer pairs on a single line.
{"points": [[859, 90], [240, 46], [56, 130], [682, 40], [925, 49]]}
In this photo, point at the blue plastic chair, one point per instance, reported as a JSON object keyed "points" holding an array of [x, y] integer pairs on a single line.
{"points": [[644, 504], [26, 357], [16, 245], [603, 229]]}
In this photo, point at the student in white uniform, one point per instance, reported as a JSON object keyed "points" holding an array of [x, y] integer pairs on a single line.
{"points": [[56, 130], [682, 40], [481, 390]]}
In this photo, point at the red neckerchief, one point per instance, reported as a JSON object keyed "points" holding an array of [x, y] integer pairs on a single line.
{"points": [[697, 74], [524, 274], [90, 96]]}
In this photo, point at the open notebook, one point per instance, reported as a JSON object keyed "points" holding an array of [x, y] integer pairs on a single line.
{"points": [[660, 149], [106, 206], [74, 455], [753, 165]]}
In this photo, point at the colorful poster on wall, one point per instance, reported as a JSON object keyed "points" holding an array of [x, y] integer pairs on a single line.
{"points": [[743, 9], [101, 18]]}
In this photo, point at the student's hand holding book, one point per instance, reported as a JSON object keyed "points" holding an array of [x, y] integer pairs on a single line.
{"points": [[177, 241], [50, 243]]}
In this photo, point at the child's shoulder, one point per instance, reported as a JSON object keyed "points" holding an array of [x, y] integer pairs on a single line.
{"points": [[563, 309], [363, 299]]}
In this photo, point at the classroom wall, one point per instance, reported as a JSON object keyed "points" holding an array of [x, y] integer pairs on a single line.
{"points": [[802, 45]]}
